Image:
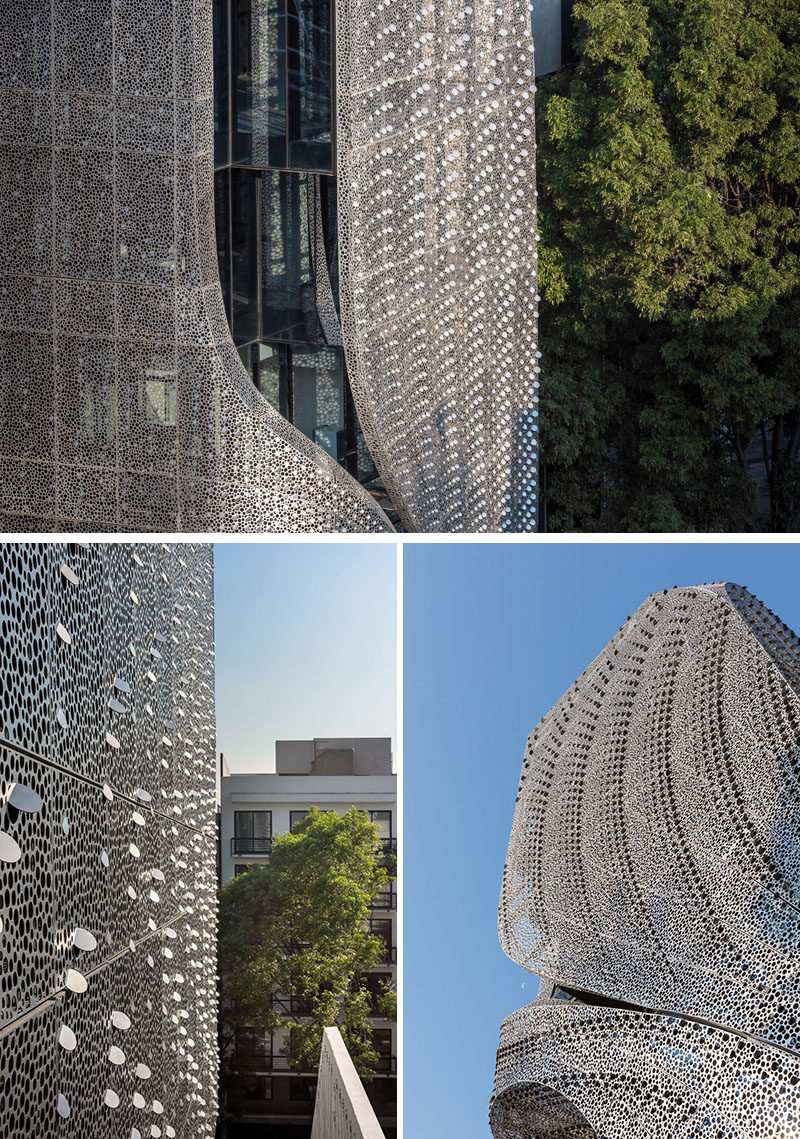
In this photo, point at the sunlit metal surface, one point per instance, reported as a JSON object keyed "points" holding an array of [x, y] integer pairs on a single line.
{"points": [[652, 877], [437, 233], [123, 402], [107, 990]]}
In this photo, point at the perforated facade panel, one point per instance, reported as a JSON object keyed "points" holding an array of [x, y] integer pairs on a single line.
{"points": [[123, 402], [107, 842], [652, 873], [437, 230]]}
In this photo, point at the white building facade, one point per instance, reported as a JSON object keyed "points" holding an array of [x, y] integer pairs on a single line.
{"points": [[331, 774]]}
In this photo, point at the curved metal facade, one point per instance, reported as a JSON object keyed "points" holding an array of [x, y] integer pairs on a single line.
{"points": [[437, 231], [124, 403], [652, 874], [107, 843], [636, 1075]]}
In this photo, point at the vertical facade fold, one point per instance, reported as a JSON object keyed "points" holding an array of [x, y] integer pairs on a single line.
{"points": [[437, 231]]}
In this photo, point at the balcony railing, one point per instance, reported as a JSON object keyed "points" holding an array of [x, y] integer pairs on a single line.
{"points": [[252, 1059], [388, 845], [386, 1065], [384, 902], [250, 845]]}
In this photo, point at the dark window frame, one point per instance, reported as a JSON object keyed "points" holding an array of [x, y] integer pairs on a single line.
{"points": [[251, 843]]}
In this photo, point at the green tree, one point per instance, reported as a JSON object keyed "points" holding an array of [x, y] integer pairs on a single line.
{"points": [[669, 187], [298, 927]]}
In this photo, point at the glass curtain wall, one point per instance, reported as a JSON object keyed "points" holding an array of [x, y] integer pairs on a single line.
{"points": [[276, 216]]}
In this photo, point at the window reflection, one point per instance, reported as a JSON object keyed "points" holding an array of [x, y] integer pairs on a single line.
{"points": [[309, 72], [259, 76], [276, 216], [244, 256], [318, 397], [221, 84]]}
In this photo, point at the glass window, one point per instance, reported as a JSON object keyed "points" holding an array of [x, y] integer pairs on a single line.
{"points": [[295, 817], [366, 470], [244, 194], [299, 260], [252, 832], [383, 821], [375, 984], [382, 928], [286, 274], [221, 84], [384, 899], [158, 396], [255, 1087], [302, 1089], [382, 1043], [301, 1005], [259, 77], [222, 208], [317, 379], [241, 868], [308, 36], [254, 1047], [268, 365]]}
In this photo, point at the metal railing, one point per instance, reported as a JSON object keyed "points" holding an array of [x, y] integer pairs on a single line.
{"points": [[250, 845], [384, 901]]}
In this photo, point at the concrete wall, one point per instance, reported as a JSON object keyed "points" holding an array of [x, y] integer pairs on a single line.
{"points": [[342, 1110]]}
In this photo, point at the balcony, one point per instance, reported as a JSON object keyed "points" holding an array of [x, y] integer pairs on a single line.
{"points": [[386, 1066], [386, 901], [251, 845]]}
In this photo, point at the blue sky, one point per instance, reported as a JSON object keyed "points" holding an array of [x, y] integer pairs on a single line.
{"points": [[306, 644], [494, 635]]}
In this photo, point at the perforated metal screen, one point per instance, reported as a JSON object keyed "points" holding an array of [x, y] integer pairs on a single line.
{"points": [[107, 842]]}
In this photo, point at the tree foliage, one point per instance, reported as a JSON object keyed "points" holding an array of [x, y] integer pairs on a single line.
{"points": [[669, 185], [298, 927]]}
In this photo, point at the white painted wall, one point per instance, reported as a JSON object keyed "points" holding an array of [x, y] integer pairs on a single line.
{"points": [[281, 794]]}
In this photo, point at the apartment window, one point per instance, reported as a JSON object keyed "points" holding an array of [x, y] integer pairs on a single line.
{"points": [[382, 1043], [375, 984], [296, 817], [254, 1047], [383, 821], [255, 1087], [302, 1089], [252, 832], [301, 1006], [385, 899], [382, 928], [242, 868]]}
